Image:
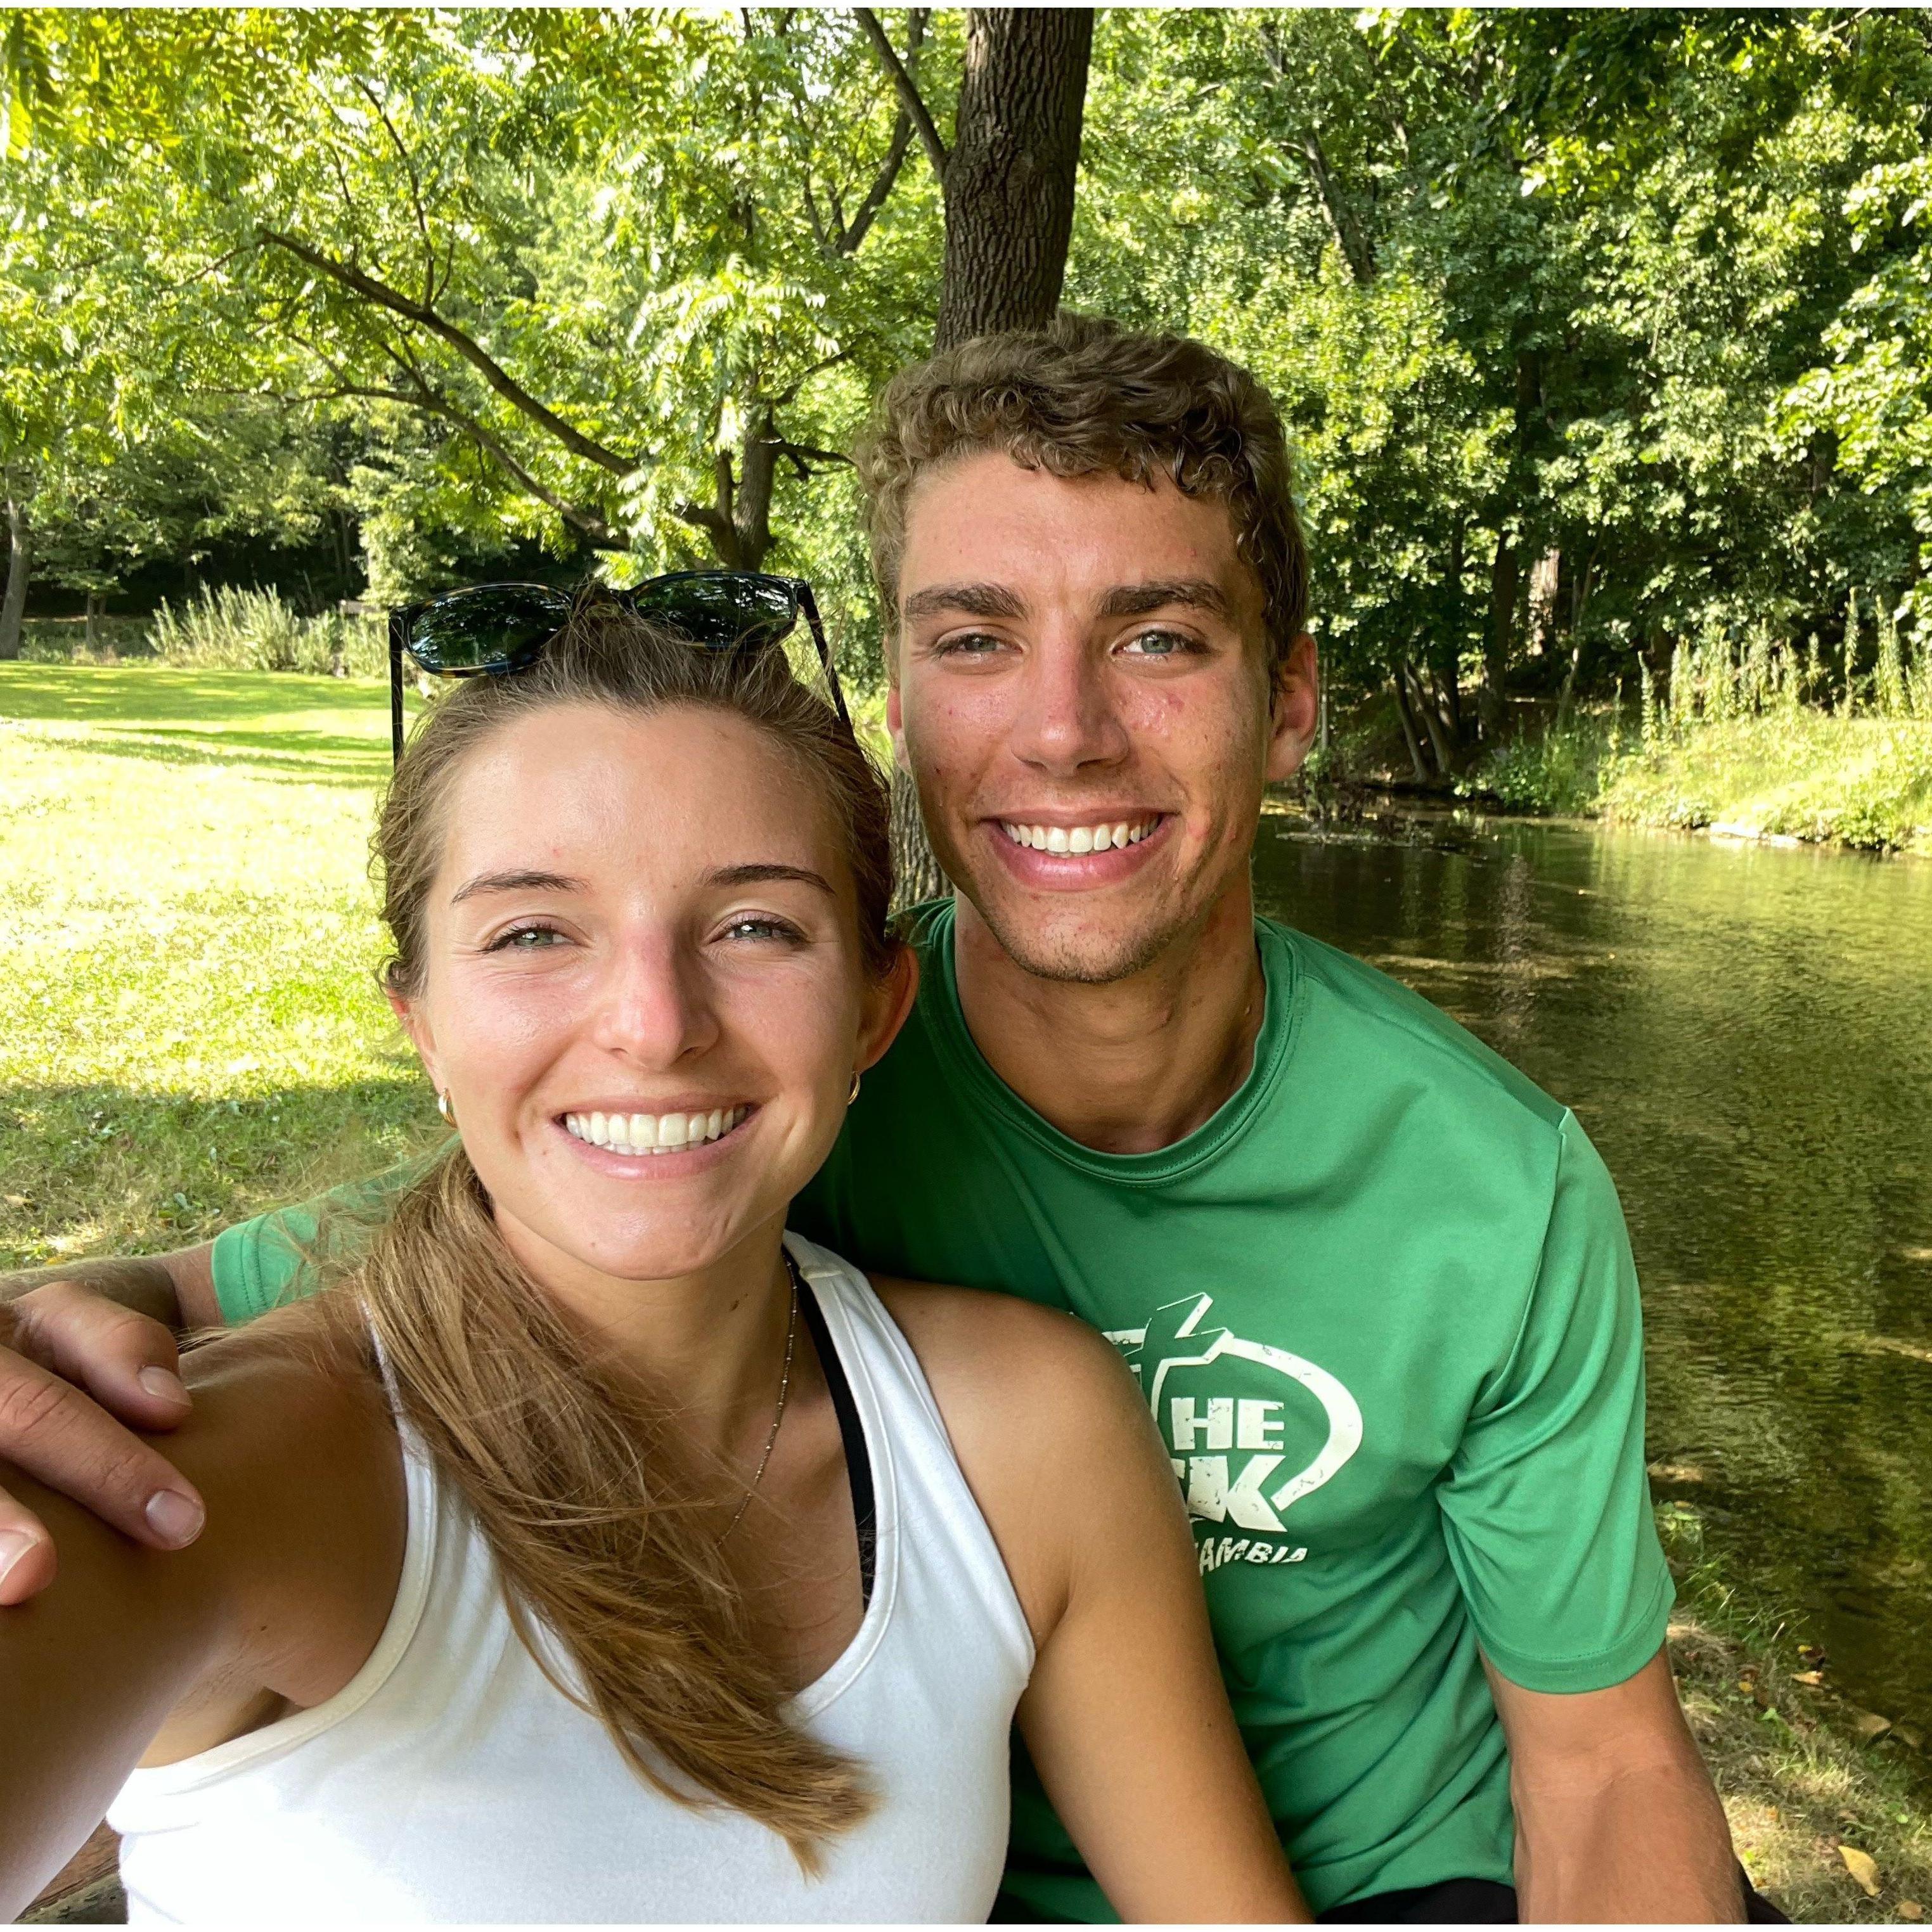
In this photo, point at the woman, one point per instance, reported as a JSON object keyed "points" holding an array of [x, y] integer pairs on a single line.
{"points": [[594, 1552]]}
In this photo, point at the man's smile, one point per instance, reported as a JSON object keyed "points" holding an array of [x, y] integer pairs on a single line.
{"points": [[1069, 854]]}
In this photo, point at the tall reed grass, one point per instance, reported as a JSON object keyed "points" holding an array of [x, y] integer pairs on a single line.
{"points": [[231, 629]]}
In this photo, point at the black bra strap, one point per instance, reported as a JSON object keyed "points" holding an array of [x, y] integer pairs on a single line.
{"points": [[851, 1432]]}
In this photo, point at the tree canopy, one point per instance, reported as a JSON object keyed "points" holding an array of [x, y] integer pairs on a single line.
{"points": [[1596, 331]]}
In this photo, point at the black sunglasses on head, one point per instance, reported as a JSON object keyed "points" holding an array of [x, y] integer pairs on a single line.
{"points": [[496, 629]]}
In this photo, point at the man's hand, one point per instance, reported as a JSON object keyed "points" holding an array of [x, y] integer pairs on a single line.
{"points": [[1617, 1819], [73, 1330]]}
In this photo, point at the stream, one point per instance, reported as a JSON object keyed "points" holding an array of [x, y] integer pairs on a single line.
{"points": [[1745, 1031]]}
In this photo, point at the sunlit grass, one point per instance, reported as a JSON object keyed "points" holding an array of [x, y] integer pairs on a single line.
{"points": [[1791, 773], [187, 941]]}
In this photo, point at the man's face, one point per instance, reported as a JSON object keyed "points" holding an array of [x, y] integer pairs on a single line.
{"points": [[1084, 701]]}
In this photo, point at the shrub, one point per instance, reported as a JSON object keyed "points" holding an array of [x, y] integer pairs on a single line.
{"points": [[230, 629]]}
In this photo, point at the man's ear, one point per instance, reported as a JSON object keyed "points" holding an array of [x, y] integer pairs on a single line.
{"points": [[895, 725], [1296, 711], [888, 1002]]}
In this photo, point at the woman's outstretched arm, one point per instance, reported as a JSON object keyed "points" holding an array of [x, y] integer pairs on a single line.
{"points": [[132, 1653], [1126, 1718]]}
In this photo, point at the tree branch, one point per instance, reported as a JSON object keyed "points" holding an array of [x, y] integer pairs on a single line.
{"points": [[408, 161], [910, 101], [472, 351], [882, 186]]}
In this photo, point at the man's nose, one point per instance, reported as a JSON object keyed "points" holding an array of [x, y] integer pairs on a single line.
{"points": [[1068, 717], [653, 1005]]}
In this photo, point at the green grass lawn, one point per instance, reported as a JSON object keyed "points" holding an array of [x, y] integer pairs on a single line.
{"points": [[187, 942]]}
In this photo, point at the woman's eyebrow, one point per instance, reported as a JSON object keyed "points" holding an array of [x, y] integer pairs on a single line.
{"points": [[765, 875], [516, 882]]}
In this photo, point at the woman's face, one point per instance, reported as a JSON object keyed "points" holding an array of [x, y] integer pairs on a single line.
{"points": [[643, 994]]}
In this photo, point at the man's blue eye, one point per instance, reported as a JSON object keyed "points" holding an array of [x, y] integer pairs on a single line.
{"points": [[525, 939], [1160, 643]]}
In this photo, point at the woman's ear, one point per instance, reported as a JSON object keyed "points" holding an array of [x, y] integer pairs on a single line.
{"points": [[408, 1016], [888, 1001]]}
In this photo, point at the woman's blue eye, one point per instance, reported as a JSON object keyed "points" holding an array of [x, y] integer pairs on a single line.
{"points": [[524, 939], [760, 929]]}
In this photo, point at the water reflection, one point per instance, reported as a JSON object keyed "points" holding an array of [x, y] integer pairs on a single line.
{"points": [[1746, 1032]]}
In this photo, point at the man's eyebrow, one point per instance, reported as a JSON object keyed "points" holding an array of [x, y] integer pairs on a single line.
{"points": [[974, 600], [515, 882], [1136, 600], [766, 874]]}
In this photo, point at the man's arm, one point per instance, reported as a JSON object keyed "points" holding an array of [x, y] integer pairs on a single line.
{"points": [[82, 1344], [1616, 1818]]}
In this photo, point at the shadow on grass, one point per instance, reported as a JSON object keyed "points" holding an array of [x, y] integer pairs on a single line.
{"points": [[96, 1169]]}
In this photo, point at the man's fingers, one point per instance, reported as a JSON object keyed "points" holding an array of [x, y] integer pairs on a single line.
{"points": [[26, 1553], [54, 1432], [126, 1361]]}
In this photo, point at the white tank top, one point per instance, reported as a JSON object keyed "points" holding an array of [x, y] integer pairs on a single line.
{"points": [[451, 1780]]}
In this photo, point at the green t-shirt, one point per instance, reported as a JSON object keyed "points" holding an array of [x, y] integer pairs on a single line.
{"points": [[1384, 1309]]}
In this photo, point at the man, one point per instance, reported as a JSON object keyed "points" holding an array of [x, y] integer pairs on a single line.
{"points": [[1375, 1285]]}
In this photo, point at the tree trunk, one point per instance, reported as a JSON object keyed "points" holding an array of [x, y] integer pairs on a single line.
{"points": [[1010, 184], [1545, 575], [19, 560], [1432, 722], [1010, 180], [1408, 737], [1505, 578]]}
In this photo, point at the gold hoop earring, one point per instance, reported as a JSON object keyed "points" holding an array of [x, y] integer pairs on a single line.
{"points": [[854, 1094], [442, 1107]]}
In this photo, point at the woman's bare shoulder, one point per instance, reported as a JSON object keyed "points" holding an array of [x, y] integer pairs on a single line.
{"points": [[1039, 1408], [1003, 1348]]}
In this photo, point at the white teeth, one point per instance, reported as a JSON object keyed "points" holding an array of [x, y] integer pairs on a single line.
{"points": [[1078, 839], [653, 1133]]}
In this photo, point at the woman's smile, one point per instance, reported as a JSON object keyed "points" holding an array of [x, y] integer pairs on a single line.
{"points": [[625, 1138]]}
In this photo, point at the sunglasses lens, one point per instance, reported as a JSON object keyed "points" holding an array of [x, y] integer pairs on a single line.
{"points": [[488, 628], [719, 611]]}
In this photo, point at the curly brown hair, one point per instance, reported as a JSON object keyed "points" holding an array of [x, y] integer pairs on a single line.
{"points": [[1082, 396]]}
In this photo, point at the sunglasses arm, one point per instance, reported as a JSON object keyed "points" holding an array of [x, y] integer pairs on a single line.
{"points": [[398, 624], [808, 604]]}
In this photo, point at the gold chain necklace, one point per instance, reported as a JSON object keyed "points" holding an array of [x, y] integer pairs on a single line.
{"points": [[784, 1389]]}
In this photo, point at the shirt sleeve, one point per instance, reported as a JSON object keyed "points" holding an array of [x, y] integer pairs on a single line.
{"points": [[281, 1257], [1546, 1504]]}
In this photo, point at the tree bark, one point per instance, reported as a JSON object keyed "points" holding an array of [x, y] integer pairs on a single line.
{"points": [[1010, 180], [19, 561]]}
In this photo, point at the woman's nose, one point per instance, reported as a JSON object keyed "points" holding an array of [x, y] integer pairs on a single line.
{"points": [[652, 1004]]}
